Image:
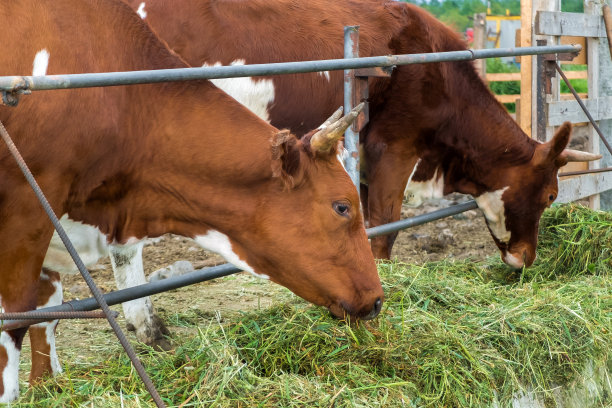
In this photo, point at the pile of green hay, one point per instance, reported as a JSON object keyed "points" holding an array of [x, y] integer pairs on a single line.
{"points": [[451, 334], [574, 240]]}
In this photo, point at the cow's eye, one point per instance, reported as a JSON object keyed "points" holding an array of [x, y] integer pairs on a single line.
{"points": [[342, 208], [551, 198]]}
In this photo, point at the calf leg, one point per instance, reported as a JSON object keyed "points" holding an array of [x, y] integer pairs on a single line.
{"points": [[42, 335], [388, 177], [128, 269]]}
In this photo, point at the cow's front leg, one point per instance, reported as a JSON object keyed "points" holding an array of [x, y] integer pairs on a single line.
{"points": [[42, 335], [139, 313], [389, 173]]}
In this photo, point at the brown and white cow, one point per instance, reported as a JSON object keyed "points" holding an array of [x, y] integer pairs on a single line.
{"points": [[441, 113], [145, 160]]}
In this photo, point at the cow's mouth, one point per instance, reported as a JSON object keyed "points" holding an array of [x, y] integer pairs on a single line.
{"points": [[342, 311]]}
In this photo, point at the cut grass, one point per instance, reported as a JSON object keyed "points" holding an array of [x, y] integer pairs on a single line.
{"points": [[452, 334]]}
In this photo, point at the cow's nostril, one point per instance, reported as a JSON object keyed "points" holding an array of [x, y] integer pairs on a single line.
{"points": [[377, 306], [375, 310]]}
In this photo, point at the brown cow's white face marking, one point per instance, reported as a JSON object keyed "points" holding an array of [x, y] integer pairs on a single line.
{"points": [[324, 74], [492, 206], [141, 11], [255, 95], [217, 242], [417, 192], [41, 63]]}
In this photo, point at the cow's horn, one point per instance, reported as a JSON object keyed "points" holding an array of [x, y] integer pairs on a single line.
{"points": [[333, 118], [578, 156], [333, 129]]}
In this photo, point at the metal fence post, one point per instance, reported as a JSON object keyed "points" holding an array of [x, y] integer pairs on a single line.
{"points": [[351, 136]]}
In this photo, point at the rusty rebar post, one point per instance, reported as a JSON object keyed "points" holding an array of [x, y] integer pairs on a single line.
{"points": [[12, 321]]}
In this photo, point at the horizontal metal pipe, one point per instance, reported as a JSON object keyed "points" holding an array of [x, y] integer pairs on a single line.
{"points": [[420, 219], [135, 292], [39, 83]]}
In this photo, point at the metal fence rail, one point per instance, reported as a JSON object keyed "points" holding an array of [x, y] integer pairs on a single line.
{"points": [[40, 83]]}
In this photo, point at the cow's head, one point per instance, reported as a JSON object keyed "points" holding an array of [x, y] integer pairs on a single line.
{"points": [[309, 234], [519, 194], [511, 194]]}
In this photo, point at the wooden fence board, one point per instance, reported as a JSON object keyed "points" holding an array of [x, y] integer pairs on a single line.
{"points": [[576, 188], [561, 111], [572, 24]]}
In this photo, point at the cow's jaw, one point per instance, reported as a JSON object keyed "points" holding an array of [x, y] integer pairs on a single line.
{"points": [[219, 243]]}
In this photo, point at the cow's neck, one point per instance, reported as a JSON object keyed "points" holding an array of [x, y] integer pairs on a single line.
{"points": [[205, 179], [471, 156]]}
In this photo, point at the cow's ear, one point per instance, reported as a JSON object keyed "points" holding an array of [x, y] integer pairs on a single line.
{"points": [[286, 158], [559, 142], [550, 152]]}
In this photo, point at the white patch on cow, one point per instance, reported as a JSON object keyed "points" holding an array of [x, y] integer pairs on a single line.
{"points": [[89, 242], [218, 242], [131, 241], [41, 63], [417, 192], [513, 261], [57, 296], [492, 206], [324, 74], [256, 95], [413, 171], [10, 374], [54, 300], [342, 155], [129, 272], [141, 11]]}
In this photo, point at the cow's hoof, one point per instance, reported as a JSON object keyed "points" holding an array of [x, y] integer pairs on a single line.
{"points": [[157, 334], [162, 344]]}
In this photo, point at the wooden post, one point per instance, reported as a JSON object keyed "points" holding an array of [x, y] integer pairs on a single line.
{"points": [[593, 7], [480, 42], [524, 115], [607, 15]]}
